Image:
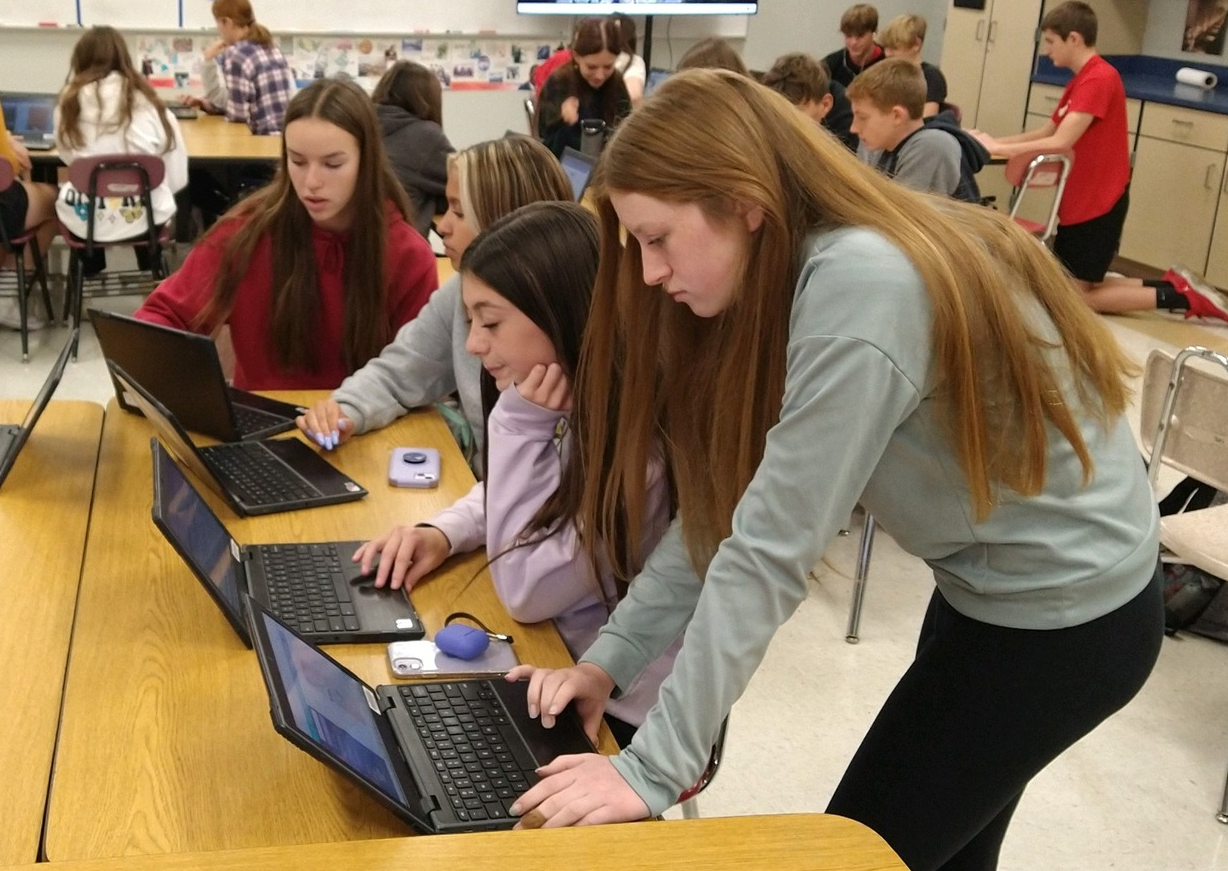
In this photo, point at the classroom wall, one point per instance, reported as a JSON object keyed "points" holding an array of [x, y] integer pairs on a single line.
{"points": [[1165, 26], [37, 59]]}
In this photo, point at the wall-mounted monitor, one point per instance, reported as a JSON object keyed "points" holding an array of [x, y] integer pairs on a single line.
{"points": [[637, 7]]}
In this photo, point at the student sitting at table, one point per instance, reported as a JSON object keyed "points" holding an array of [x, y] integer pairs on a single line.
{"points": [[315, 272], [804, 82], [257, 80], [587, 88], [408, 103], [525, 283], [903, 37], [108, 108], [934, 156], [24, 205], [713, 53], [427, 361]]}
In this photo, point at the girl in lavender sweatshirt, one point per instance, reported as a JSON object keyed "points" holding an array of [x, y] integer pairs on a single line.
{"points": [[525, 283]]}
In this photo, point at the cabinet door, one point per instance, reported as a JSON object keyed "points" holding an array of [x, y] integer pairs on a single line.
{"points": [[963, 58], [1217, 260], [1010, 46], [1173, 197]]}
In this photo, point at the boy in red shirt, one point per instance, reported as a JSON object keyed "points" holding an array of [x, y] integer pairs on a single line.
{"points": [[1091, 119]]}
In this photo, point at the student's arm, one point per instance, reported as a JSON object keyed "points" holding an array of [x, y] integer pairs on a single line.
{"points": [[415, 369], [180, 298], [240, 86], [1048, 138], [176, 160], [536, 577], [553, 130], [216, 99]]}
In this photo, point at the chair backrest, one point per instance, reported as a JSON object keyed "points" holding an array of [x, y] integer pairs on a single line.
{"points": [[1183, 418], [117, 175], [1037, 170], [530, 113]]}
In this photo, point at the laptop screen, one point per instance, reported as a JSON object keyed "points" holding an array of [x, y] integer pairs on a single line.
{"points": [[656, 76], [29, 114], [196, 533], [36, 408], [579, 167], [324, 704]]}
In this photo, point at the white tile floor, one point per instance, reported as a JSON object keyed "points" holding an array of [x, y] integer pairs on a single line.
{"points": [[1139, 794]]}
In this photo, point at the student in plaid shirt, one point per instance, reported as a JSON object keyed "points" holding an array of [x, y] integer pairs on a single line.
{"points": [[258, 82]]}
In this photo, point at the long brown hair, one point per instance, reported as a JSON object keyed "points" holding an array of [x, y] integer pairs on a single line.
{"points": [[277, 212], [414, 88], [241, 14], [501, 175], [99, 52], [720, 140]]}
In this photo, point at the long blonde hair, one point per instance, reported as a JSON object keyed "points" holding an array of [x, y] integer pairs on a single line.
{"points": [[708, 390]]}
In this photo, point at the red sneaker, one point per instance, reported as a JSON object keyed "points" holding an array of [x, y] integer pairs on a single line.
{"points": [[1205, 301]]}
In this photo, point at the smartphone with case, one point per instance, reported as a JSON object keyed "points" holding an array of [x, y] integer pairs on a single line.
{"points": [[414, 467], [423, 659]]}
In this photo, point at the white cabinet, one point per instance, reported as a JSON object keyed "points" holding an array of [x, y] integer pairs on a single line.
{"points": [[1175, 189], [1042, 101], [987, 60], [1217, 259]]}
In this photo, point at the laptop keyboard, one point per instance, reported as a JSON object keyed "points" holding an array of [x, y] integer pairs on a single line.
{"points": [[252, 472], [251, 419], [480, 758], [307, 587]]}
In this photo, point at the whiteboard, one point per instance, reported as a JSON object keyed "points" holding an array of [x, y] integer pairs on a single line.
{"points": [[29, 13], [131, 15], [400, 17]]}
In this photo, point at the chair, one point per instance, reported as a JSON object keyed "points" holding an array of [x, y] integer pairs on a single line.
{"points": [[1039, 170], [861, 577], [690, 807], [18, 246], [1183, 421], [530, 111], [113, 176]]}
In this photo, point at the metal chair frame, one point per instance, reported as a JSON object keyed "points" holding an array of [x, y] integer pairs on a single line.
{"points": [[17, 246], [1034, 171]]}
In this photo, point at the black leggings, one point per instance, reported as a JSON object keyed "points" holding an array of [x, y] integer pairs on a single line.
{"points": [[980, 711]]}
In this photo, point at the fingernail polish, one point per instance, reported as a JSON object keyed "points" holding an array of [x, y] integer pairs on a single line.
{"points": [[336, 437], [514, 810]]}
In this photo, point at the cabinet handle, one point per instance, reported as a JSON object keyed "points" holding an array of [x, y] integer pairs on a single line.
{"points": [[1183, 122], [1208, 179], [1051, 98], [980, 30], [993, 31]]}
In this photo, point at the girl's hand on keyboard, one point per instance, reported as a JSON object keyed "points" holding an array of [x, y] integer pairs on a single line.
{"points": [[408, 553], [580, 790], [552, 689], [325, 424]]}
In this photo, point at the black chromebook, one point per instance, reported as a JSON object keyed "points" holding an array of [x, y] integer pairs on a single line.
{"points": [[445, 756], [183, 371], [315, 587], [257, 476], [14, 437]]}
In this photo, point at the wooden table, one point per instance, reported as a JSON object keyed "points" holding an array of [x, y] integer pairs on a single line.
{"points": [[813, 842], [44, 515], [1175, 331], [208, 139], [165, 741]]}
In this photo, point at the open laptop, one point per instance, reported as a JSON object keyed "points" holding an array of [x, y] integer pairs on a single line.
{"points": [[257, 476], [183, 112], [579, 167], [183, 371], [656, 76], [315, 587], [32, 117], [13, 437], [445, 756]]}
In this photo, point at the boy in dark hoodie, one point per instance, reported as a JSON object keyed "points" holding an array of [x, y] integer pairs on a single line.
{"points": [[936, 156]]}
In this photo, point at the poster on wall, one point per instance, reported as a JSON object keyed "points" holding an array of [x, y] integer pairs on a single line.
{"points": [[1205, 27]]}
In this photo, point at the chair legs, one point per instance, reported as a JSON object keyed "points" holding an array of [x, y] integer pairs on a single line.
{"points": [[1222, 816], [74, 293], [39, 275], [860, 578]]}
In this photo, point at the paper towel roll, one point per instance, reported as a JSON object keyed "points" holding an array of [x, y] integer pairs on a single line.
{"points": [[1198, 78]]}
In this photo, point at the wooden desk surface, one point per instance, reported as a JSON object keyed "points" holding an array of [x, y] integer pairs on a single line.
{"points": [[1175, 331], [208, 138], [165, 741], [44, 515], [814, 842]]}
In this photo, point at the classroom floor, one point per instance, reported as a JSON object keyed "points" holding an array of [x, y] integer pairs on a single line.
{"points": [[1138, 794]]}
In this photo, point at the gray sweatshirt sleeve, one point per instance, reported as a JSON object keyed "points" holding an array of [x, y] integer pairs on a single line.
{"points": [[845, 395], [415, 369], [215, 89]]}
